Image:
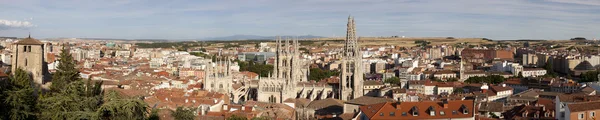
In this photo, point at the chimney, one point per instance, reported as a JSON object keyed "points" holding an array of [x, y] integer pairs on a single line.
{"points": [[543, 108], [445, 103], [225, 107], [484, 88], [397, 105]]}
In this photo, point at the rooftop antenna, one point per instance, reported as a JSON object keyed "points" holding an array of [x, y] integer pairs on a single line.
{"points": [[29, 36]]}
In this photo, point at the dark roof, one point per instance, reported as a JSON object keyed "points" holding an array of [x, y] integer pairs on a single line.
{"points": [[317, 104], [367, 100], [585, 65], [491, 107], [29, 41], [372, 82]]}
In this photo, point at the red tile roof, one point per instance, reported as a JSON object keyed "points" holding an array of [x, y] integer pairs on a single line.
{"points": [[404, 110]]}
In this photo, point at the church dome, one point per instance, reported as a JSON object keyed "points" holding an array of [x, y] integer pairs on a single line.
{"points": [[585, 65]]}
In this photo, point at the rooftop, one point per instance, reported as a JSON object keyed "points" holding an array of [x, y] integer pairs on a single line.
{"points": [[420, 110], [584, 106], [29, 41]]}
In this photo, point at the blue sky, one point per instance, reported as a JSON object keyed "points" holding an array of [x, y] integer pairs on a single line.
{"points": [[175, 19]]}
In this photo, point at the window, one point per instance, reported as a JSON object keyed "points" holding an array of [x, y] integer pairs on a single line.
{"points": [[454, 112], [403, 113], [28, 48], [26, 62], [592, 114], [24, 48], [580, 115], [431, 111], [392, 114], [442, 113], [380, 114], [415, 111]]}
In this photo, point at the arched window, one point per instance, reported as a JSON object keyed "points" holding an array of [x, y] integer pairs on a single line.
{"points": [[220, 85]]}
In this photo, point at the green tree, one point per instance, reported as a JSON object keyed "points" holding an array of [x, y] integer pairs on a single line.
{"points": [[494, 115], [422, 43], [262, 69], [20, 97], [318, 74], [452, 79], [459, 90], [121, 108], [392, 80], [200, 54], [65, 72], [261, 118], [304, 50], [492, 79], [590, 76], [78, 100], [235, 117], [154, 115], [4, 108], [182, 113]]}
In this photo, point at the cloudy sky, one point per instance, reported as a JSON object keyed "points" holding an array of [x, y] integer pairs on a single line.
{"points": [[175, 19]]}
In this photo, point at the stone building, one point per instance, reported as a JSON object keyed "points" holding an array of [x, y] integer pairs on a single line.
{"points": [[289, 79], [29, 56], [351, 80], [218, 77]]}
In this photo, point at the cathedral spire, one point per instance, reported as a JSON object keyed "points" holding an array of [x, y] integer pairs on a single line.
{"points": [[287, 45], [351, 42]]}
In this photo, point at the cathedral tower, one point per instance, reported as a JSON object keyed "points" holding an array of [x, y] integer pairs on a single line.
{"points": [[351, 80]]}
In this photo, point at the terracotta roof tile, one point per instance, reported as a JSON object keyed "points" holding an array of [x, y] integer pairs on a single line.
{"points": [[404, 110], [367, 100], [584, 106]]}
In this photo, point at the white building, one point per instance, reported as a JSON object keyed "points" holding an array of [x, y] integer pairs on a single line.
{"points": [[533, 72], [514, 68]]}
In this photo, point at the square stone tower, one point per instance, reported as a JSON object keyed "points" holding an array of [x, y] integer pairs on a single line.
{"points": [[28, 54]]}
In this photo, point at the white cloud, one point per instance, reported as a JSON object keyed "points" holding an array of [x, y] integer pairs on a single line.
{"points": [[8, 24]]}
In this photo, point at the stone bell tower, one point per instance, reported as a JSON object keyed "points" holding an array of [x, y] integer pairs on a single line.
{"points": [[28, 54]]}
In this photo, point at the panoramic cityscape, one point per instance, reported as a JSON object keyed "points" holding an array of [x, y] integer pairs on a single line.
{"points": [[299, 60]]}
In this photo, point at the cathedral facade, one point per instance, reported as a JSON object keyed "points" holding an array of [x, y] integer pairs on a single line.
{"points": [[289, 79], [290, 76]]}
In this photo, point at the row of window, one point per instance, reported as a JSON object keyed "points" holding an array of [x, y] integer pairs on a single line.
{"points": [[415, 111], [592, 115]]}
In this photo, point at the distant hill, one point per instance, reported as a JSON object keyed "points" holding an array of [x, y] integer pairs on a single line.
{"points": [[256, 37]]}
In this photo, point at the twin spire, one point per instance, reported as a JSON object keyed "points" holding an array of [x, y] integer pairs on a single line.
{"points": [[288, 46]]}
